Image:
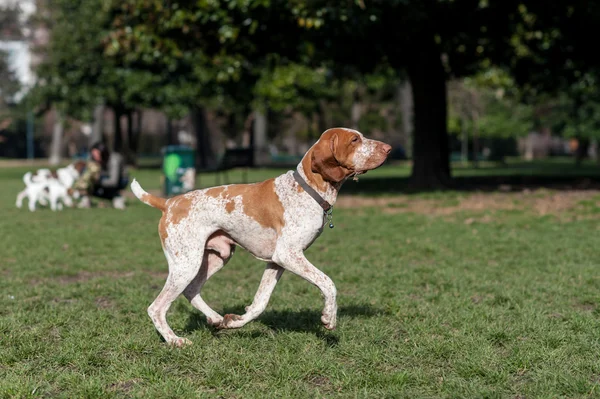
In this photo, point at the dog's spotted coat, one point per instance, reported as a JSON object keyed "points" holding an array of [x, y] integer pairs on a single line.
{"points": [[275, 220]]}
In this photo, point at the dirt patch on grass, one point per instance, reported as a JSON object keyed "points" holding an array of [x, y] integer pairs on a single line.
{"points": [[124, 387], [586, 306], [104, 303], [319, 381], [541, 202]]}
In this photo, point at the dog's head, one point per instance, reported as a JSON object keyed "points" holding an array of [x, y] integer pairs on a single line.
{"points": [[70, 173], [341, 153]]}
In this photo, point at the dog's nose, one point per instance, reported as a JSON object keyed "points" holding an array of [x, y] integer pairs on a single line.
{"points": [[386, 148]]}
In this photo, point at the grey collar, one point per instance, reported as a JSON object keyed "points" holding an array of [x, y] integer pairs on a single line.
{"points": [[311, 191]]}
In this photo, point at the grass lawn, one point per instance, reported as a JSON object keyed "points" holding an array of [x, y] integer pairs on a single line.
{"points": [[444, 295]]}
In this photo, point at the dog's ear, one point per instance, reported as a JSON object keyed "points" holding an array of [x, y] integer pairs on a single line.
{"points": [[324, 162]]}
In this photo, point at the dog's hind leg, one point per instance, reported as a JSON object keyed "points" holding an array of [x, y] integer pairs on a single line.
{"points": [[184, 264], [212, 263], [54, 204], [218, 251]]}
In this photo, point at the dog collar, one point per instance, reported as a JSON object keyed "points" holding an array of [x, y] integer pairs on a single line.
{"points": [[312, 192], [327, 207]]}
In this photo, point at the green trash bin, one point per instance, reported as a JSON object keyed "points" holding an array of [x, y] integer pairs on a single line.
{"points": [[178, 169]]}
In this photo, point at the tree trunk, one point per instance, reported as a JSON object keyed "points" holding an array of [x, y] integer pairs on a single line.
{"points": [[57, 138], [247, 140], [582, 150], [476, 149], [593, 151], [30, 139], [170, 138], [131, 158], [139, 117], [529, 147], [325, 120], [259, 138], [97, 125], [231, 130], [356, 110], [431, 160], [464, 145], [137, 133], [205, 157], [406, 109], [118, 139]]}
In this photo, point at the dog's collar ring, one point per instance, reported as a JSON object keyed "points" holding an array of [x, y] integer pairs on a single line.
{"points": [[329, 215]]}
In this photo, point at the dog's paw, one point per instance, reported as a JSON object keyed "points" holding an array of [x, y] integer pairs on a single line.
{"points": [[180, 342], [329, 321], [229, 321], [214, 321]]}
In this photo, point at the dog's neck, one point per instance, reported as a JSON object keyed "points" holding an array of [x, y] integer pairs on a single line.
{"points": [[327, 190]]}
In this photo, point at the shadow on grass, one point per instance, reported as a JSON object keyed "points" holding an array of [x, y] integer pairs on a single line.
{"points": [[305, 320]]}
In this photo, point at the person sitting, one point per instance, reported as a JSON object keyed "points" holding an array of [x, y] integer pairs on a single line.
{"points": [[105, 176]]}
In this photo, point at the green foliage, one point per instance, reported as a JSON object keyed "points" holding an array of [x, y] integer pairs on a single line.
{"points": [[219, 49], [297, 55], [576, 112], [551, 44], [492, 100], [372, 120], [293, 85], [76, 74], [505, 117]]}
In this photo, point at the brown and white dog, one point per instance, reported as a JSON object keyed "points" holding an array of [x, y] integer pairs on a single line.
{"points": [[275, 220]]}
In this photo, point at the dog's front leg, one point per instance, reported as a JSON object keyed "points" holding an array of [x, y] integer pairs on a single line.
{"points": [[20, 198], [32, 201], [269, 279], [296, 262]]}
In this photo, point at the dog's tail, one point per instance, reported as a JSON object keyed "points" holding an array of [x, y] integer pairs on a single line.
{"points": [[149, 199], [27, 178]]}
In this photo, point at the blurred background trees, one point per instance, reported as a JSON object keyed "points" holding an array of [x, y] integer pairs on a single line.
{"points": [[441, 80]]}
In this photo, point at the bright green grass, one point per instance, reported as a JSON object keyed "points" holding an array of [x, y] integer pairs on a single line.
{"points": [[428, 308]]}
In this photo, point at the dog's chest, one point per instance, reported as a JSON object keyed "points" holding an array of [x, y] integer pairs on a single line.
{"points": [[303, 216]]}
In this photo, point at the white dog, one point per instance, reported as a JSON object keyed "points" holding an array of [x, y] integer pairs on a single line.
{"points": [[45, 187], [35, 184]]}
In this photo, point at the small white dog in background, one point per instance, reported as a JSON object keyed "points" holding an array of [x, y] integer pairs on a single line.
{"points": [[44, 187], [34, 188]]}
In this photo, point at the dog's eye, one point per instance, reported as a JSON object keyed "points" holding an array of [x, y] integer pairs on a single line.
{"points": [[354, 139]]}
